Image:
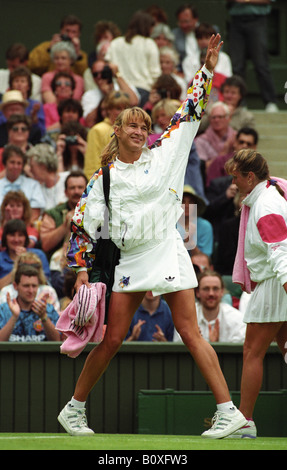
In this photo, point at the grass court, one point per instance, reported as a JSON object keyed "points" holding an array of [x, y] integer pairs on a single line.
{"points": [[133, 442]]}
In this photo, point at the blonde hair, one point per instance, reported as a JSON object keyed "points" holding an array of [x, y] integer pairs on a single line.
{"points": [[169, 106], [111, 151], [30, 258]]}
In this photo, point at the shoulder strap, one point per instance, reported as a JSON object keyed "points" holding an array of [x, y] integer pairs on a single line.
{"points": [[106, 183]]}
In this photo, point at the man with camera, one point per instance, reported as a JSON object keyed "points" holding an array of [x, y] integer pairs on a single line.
{"points": [[70, 30], [107, 79]]}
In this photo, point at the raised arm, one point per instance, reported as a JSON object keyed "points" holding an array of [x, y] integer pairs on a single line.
{"points": [[197, 94]]}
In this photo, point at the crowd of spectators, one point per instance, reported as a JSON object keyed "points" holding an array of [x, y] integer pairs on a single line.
{"points": [[58, 104]]}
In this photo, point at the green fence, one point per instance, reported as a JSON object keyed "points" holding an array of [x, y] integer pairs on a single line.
{"points": [[36, 381], [190, 413]]}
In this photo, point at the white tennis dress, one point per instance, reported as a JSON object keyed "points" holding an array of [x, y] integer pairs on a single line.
{"points": [[145, 205]]}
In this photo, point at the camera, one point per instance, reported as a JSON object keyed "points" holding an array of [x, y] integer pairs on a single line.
{"points": [[71, 140], [65, 37], [107, 74]]}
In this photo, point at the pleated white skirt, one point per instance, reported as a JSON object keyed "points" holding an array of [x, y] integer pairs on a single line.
{"points": [[268, 303]]}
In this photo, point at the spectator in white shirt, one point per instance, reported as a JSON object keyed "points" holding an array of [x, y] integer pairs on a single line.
{"points": [[217, 321]]}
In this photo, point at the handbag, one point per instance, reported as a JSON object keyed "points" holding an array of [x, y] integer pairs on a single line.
{"points": [[107, 254]]}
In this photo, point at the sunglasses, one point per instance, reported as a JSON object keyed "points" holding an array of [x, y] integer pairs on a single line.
{"points": [[21, 129], [66, 83], [244, 142], [96, 74]]}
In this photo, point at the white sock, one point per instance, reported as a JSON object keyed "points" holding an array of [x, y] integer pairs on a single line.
{"points": [[76, 403], [227, 407]]}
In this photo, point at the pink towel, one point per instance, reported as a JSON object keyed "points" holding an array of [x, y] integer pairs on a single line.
{"points": [[82, 321], [241, 274]]}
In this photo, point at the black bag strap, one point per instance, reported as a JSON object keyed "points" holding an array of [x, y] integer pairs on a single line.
{"points": [[106, 183]]}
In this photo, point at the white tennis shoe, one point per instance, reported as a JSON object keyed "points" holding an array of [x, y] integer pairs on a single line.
{"points": [[74, 421], [224, 424], [248, 431]]}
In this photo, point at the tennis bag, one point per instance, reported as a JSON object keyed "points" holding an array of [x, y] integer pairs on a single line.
{"points": [[107, 254]]}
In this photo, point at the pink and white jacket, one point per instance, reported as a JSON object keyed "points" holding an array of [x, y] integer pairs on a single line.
{"points": [[262, 241]]}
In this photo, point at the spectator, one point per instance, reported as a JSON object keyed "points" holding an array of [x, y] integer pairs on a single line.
{"points": [[168, 62], [63, 55], [162, 35], [14, 103], [55, 226], [26, 318], [43, 165], [15, 241], [21, 79], [152, 321], [107, 79], [70, 110], [248, 39], [100, 135], [136, 54], [14, 161], [161, 114], [15, 205], [196, 232], [165, 86], [29, 258], [220, 194], [68, 290], [75, 147], [192, 62], [61, 275], [72, 146], [217, 321], [218, 139], [227, 241], [185, 40], [62, 86], [233, 94], [104, 33], [18, 131], [16, 56], [70, 30], [246, 137]]}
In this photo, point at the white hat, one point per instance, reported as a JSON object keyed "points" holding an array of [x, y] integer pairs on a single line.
{"points": [[12, 96]]}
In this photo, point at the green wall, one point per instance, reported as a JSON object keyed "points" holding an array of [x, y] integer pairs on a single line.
{"points": [[34, 21], [36, 381]]}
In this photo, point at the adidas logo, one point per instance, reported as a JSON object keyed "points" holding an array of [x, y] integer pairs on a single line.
{"points": [[169, 278]]}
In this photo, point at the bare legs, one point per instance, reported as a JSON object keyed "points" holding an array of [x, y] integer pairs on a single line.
{"points": [[121, 311], [183, 310], [258, 339]]}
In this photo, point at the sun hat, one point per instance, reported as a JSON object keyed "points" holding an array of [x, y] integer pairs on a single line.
{"points": [[201, 205], [11, 97]]}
